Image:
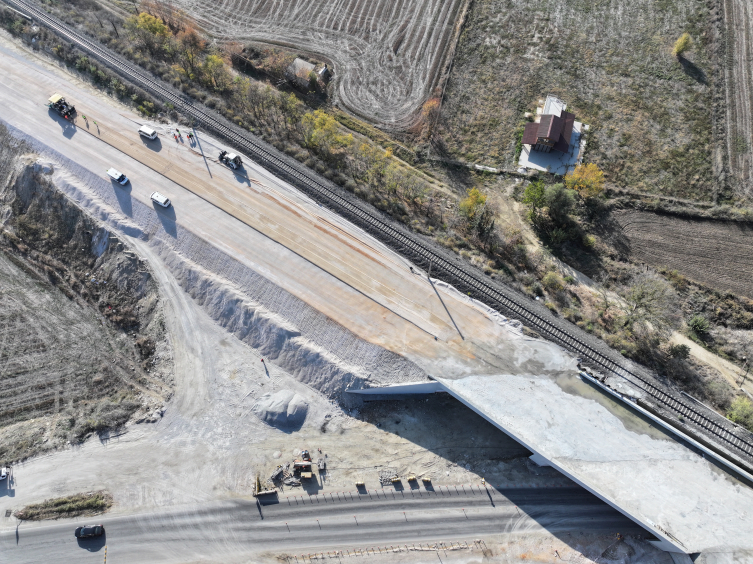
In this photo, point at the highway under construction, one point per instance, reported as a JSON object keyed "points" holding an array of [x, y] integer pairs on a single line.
{"points": [[273, 298]]}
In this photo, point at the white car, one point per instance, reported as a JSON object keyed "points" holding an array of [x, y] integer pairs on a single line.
{"points": [[3, 473], [117, 176], [160, 199], [148, 132]]}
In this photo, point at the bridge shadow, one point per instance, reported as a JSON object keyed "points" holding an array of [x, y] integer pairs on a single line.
{"points": [[447, 428]]}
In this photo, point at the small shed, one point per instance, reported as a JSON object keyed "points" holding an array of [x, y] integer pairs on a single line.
{"points": [[325, 73], [298, 73]]}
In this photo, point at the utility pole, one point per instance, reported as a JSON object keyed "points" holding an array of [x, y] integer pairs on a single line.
{"points": [[747, 367]]}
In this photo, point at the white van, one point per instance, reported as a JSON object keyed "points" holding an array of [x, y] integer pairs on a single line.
{"points": [[117, 176], [148, 132], [160, 199]]}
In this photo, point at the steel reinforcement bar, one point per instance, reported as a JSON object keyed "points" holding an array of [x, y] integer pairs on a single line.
{"points": [[368, 219]]}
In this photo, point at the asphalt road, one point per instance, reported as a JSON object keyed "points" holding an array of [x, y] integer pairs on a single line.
{"points": [[231, 530]]}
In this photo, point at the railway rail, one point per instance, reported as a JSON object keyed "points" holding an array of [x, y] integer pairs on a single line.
{"points": [[509, 304]]}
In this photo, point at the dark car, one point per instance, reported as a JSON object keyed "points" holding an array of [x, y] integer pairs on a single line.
{"points": [[89, 531]]}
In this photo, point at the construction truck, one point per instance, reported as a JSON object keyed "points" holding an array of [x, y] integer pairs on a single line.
{"points": [[231, 159], [58, 103], [302, 468]]}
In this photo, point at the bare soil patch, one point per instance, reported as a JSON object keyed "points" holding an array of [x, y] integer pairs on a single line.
{"points": [[77, 505], [387, 56], [611, 62], [83, 345], [714, 253]]}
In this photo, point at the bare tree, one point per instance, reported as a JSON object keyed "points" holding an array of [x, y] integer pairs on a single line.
{"points": [[650, 305]]}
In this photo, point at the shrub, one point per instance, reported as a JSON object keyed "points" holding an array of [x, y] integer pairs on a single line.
{"points": [[553, 282], [680, 352], [71, 506], [741, 412], [683, 43], [699, 324]]}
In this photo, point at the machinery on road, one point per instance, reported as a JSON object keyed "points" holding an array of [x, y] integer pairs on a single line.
{"points": [[231, 159], [58, 103]]}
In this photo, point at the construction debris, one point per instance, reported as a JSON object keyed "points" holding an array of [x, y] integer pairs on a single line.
{"points": [[388, 476]]}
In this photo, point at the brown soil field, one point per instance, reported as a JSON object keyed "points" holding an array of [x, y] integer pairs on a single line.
{"points": [[387, 56], [716, 254], [738, 19], [612, 63]]}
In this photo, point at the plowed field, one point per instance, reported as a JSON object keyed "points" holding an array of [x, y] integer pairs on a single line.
{"points": [[738, 15], [388, 55], [717, 254]]}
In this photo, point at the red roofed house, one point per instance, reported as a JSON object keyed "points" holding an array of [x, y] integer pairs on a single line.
{"points": [[553, 131]]}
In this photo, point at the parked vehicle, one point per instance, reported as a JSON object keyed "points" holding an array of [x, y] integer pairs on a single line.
{"points": [[4, 473], [89, 531], [148, 132], [160, 199], [117, 176]]}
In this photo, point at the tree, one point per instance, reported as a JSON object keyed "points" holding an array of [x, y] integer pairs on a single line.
{"points": [[322, 134], [680, 352], [189, 49], [741, 412], [471, 206], [559, 202], [215, 74], [650, 302], [150, 32], [479, 217], [683, 43], [534, 197], [587, 180]]}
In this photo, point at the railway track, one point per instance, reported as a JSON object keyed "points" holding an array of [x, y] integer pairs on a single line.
{"points": [[370, 220]]}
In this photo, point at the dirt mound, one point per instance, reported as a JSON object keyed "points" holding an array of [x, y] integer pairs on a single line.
{"points": [[283, 409], [81, 318], [715, 253]]}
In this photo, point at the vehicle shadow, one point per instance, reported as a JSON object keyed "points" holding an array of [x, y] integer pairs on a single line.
{"points": [[94, 544], [123, 194], [167, 218], [67, 126], [312, 486], [241, 177], [152, 144], [8, 486]]}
